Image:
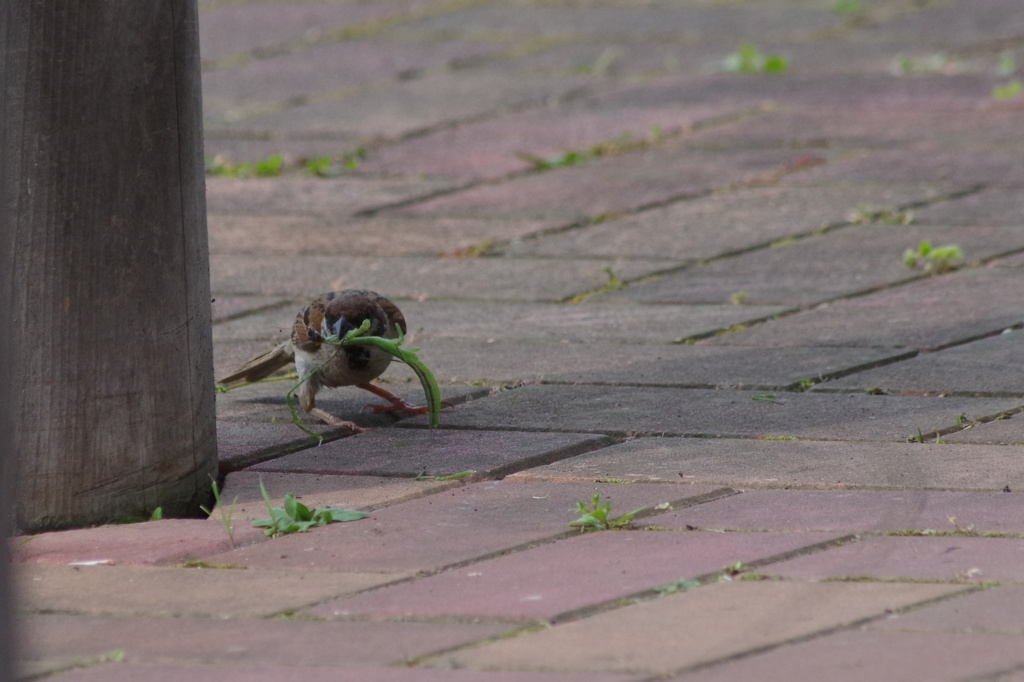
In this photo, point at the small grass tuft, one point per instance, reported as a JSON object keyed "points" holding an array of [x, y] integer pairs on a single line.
{"points": [[1007, 91], [677, 586], [598, 516], [933, 259], [747, 59], [449, 477], [886, 216], [296, 517], [196, 563], [268, 167], [847, 6], [225, 512]]}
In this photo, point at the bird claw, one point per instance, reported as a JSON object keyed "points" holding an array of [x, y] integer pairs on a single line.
{"points": [[396, 407], [331, 420], [400, 405]]}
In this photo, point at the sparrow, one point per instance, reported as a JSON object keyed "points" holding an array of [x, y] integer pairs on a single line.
{"points": [[322, 365]]}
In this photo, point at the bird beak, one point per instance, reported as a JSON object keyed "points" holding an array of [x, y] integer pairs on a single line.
{"points": [[341, 327]]}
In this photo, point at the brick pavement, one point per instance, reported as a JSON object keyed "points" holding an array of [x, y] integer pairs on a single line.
{"points": [[700, 311]]}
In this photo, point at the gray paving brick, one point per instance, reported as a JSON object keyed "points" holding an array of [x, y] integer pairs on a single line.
{"points": [[255, 423], [745, 463], [723, 222], [586, 322], [928, 314], [996, 206], [1001, 431], [807, 271], [977, 367], [681, 365], [419, 277], [408, 452], [652, 411]]}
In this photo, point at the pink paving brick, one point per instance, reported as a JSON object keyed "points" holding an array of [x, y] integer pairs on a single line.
{"points": [[156, 542], [242, 642], [315, 69], [611, 184], [570, 574], [243, 28], [920, 558], [996, 610], [857, 656], [449, 527], [713, 622], [494, 148], [855, 511], [253, 673], [211, 592]]}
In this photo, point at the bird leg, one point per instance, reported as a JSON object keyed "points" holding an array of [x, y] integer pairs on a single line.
{"points": [[328, 418], [397, 404], [307, 399]]}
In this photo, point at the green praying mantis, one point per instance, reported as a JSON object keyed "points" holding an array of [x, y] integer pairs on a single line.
{"points": [[357, 337]]}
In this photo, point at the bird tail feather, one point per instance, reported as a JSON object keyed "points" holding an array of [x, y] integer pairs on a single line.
{"points": [[261, 366]]}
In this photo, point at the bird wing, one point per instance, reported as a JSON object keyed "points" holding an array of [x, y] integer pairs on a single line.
{"points": [[261, 366]]}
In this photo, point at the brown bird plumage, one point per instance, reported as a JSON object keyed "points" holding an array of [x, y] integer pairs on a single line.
{"points": [[334, 314]]}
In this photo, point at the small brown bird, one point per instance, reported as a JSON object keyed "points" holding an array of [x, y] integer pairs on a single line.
{"points": [[334, 314]]}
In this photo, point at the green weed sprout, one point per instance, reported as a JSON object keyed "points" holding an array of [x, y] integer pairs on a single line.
{"points": [[1007, 91], [847, 6], [296, 517], [268, 167], [225, 514], [596, 516], [1007, 65], [321, 167], [747, 59], [932, 258], [356, 337], [449, 477]]}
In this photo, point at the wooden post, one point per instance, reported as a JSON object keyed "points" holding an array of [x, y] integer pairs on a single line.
{"points": [[7, 653], [7, 638], [104, 249]]}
